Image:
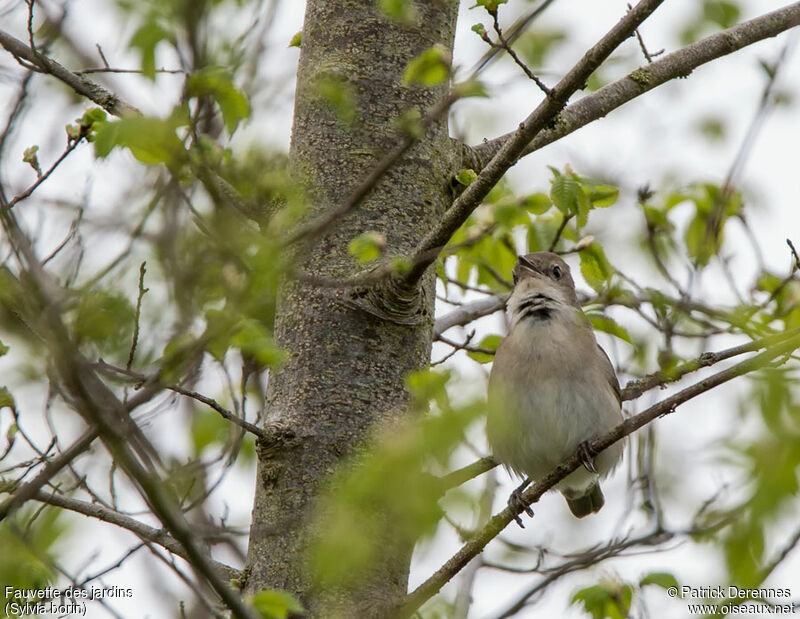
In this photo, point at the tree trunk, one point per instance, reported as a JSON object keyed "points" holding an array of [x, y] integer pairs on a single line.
{"points": [[346, 367]]}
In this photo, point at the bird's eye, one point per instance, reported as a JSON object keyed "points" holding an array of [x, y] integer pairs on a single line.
{"points": [[556, 271]]}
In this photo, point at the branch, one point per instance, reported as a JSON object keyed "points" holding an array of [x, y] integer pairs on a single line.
{"points": [[513, 147], [141, 530], [477, 543], [84, 87], [675, 65], [635, 388], [53, 467], [467, 313], [593, 557], [154, 382]]}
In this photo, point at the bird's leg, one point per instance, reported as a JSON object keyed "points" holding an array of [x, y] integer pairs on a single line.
{"points": [[517, 505], [586, 455]]}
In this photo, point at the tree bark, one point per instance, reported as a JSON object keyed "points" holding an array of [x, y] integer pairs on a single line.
{"points": [[346, 367]]}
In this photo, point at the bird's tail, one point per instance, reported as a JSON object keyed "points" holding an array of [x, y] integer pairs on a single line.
{"points": [[589, 502]]}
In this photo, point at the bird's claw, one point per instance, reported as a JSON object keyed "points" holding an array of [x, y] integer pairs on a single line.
{"points": [[587, 457], [517, 505]]}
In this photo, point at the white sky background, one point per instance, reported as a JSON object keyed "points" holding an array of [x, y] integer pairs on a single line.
{"points": [[643, 142]]}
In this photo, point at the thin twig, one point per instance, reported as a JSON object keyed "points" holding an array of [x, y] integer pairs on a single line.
{"points": [[648, 56], [564, 221], [71, 145], [140, 529], [138, 314], [507, 47]]}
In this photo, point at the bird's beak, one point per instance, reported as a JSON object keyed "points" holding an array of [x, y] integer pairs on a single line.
{"points": [[527, 265]]}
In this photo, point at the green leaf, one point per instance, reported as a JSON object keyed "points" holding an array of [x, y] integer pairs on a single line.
{"points": [[3, 349], [665, 580], [490, 342], [255, 340], [509, 214], [608, 325], [699, 243], [489, 5], [368, 246], [431, 67], [105, 318], [712, 127], [537, 203], [470, 88], [721, 12], [608, 600], [339, 95], [151, 140], [6, 399], [296, 40], [427, 384], [28, 539], [208, 427], [402, 11], [603, 196], [272, 604], [217, 83], [536, 45], [466, 177], [564, 192], [145, 39], [595, 267]]}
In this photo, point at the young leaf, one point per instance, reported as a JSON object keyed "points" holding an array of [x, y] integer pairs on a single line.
{"points": [[30, 157], [368, 246], [339, 95], [489, 5], [296, 40], [608, 325], [151, 140], [564, 191], [431, 67], [537, 203], [665, 580], [402, 11], [490, 342], [273, 604], [217, 83], [466, 177], [595, 267], [145, 39], [602, 196]]}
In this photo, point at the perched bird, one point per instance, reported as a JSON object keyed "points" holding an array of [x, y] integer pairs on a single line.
{"points": [[552, 388]]}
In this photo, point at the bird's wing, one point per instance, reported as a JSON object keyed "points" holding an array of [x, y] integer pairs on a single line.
{"points": [[611, 375]]}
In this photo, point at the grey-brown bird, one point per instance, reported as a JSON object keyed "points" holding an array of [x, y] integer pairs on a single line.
{"points": [[552, 388]]}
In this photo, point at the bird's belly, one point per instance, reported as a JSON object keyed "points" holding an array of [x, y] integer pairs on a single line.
{"points": [[533, 431]]}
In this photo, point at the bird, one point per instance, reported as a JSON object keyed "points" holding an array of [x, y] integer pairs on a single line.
{"points": [[552, 388]]}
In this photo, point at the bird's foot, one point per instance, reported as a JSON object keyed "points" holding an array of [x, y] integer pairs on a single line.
{"points": [[517, 505], [587, 457]]}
